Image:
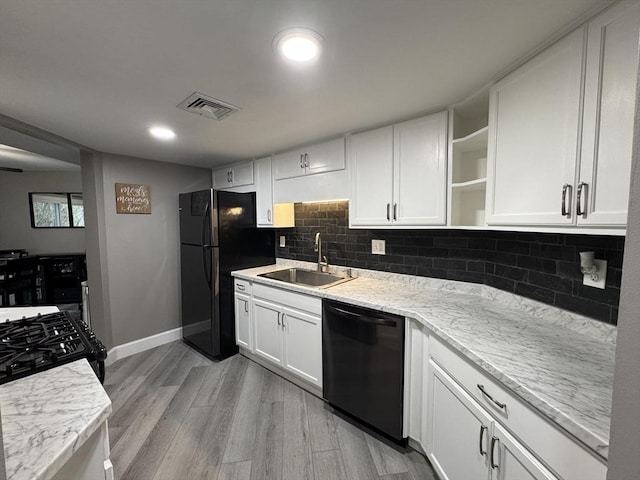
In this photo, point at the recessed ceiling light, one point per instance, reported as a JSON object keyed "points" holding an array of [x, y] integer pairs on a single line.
{"points": [[162, 133], [298, 44]]}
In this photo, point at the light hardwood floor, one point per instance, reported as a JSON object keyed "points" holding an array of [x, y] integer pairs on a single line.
{"points": [[177, 415]]}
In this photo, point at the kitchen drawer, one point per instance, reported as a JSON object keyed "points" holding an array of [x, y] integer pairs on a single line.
{"points": [[242, 286], [550, 444], [289, 299]]}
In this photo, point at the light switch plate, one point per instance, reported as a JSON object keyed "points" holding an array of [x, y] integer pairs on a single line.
{"points": [[283, 241], [602, 275], [377, 247]]}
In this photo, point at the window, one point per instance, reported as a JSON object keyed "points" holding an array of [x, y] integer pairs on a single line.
{"points": [[56, 210]]}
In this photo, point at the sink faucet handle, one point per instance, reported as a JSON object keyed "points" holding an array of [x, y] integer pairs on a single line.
{"points": [[324, 266]]}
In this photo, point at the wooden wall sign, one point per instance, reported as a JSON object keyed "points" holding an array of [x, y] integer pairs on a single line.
{"points": [[133, 198]]}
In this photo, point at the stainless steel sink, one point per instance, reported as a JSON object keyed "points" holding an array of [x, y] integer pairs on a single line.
{"points": [[310, 278]]}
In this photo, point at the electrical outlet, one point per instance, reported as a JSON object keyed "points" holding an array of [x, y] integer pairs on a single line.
{"points": [[283, 241], [602, 275], [377, 247]]}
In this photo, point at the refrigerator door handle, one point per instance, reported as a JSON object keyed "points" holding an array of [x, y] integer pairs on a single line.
{"points": [[205, 267], [203, 226]]}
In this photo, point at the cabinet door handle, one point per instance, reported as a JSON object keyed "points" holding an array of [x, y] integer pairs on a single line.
{"points": [[268, 215], [565, 212], [395, 211], [486, 394], [388, 212], [483, 429], [284, 315], [306, 160], [579, 211], [240, 287], [246, 306], [231, 175], [279, 319], [494, 440], [302, 160]]}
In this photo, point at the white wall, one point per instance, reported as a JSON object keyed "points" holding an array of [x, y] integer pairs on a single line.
{"points": [[15, 220], [133, 260], [624, 452]]}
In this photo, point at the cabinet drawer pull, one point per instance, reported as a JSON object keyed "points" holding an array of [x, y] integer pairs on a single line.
{"points": [[565, 212], [395, 211], [483, 429], [388, 212], [579, 211], [486, 394], [240, 287], [494, 440]]}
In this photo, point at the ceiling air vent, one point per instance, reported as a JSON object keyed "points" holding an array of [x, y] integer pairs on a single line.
{"points": [[207, 106]]}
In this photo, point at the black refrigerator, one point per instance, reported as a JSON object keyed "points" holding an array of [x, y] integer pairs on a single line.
{"points": [[218, 234]]}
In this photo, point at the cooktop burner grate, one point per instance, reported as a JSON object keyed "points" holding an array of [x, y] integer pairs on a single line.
{"points": [[35, 344]]}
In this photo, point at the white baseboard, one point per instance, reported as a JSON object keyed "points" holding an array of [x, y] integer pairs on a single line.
{"points": [[127, 349]]}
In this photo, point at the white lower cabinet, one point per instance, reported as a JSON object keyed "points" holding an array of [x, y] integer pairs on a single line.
{"points": [[416, 369], [303, 344], [458, 430], [243, 320], [512, 460], [284, 328], [268, 329], [91, 461], [242, 307], [477, 429], [465, 442]]}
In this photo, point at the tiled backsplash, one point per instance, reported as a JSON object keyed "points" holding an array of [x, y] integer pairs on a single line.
{"points": [[541, 266]]}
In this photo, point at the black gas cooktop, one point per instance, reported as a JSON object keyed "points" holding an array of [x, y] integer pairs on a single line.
{"points": [[35, 344]]}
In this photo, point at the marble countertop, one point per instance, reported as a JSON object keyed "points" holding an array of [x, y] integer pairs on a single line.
{"points": [[558, 362], [47, 417]]}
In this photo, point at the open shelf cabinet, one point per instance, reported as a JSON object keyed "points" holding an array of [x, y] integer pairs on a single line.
{"points": [[468, 167]]}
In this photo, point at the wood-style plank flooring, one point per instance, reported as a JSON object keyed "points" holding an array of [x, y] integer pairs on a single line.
{"points": [[177, 415]]}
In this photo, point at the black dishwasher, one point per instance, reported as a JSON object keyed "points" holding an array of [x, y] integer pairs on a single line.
{"points": [[363, 364]]}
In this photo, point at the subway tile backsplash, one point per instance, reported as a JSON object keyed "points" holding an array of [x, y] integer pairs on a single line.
{"points": [[541, 266]]}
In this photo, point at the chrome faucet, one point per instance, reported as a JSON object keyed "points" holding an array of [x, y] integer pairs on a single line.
{"points": [[323, 264]]}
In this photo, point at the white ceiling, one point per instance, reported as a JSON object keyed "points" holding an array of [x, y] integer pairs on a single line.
{"points": [[99, 72]]}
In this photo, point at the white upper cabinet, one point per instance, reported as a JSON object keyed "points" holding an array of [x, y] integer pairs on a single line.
{"points": [[232, 176], [371, 169], [420, 171], [557, 157], [399, 174], [610, 86], [534, 120], [264, 191], [319, 158]]}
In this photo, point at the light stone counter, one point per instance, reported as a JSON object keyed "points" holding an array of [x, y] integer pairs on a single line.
{"points": [[558, 362], [48, 416]]}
